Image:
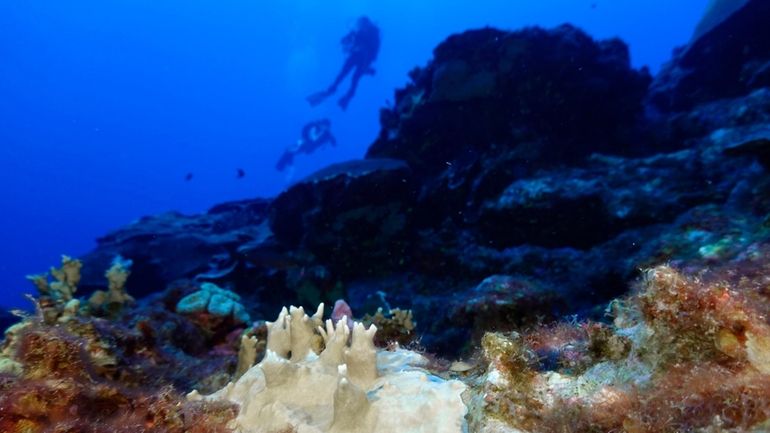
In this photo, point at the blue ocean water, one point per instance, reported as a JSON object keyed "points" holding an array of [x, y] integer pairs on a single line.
{"points": [[106, 107]]}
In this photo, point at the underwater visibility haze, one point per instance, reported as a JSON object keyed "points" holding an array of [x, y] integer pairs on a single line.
{"points": [[106, 107], [396, 216]]}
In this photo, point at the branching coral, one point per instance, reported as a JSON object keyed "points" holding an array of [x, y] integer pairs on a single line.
{"points": [[57, 301], [395, 326], [330, 378], [66, 279], [247, 355], [113, 300]]}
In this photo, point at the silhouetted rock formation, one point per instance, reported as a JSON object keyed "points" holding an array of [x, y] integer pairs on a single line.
{"points": [[727, 61], [515, 179]]}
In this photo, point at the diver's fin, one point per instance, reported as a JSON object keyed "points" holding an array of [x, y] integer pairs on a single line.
{"points": [[289, 174], [286, 160], [344, 102], [317, 98]]}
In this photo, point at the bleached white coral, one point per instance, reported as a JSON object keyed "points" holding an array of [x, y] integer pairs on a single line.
{"points": [[348, 386]]}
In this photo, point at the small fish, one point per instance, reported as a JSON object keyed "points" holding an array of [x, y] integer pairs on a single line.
{"points": [[188, 177], [240, 174], [342, 310], [461, 367]]}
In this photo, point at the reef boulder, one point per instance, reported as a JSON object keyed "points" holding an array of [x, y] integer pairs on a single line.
{"points": [[172, 246], [728, 56], [354, 216], [488, 91]]}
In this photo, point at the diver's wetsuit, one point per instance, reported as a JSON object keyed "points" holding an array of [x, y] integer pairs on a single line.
{"points": [[362, 46], [314, 135]]}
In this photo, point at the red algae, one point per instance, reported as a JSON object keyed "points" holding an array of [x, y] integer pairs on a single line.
{"points": [[694, 396], [694, 320], [66, 370], [60, 390], [685, 354]]}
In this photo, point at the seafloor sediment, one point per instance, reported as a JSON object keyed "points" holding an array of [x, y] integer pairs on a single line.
{"points": [[546, 239]]}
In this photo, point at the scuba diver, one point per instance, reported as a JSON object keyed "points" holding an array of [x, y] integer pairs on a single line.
{"points": [[361, 46], [314, 135]]}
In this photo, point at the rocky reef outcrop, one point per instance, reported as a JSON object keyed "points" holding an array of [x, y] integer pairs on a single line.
{"points": [[526, 95], [518, 177], [593, 241], [171, 246], [729, 56]]}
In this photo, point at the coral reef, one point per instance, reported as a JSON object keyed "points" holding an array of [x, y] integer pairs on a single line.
{"points": [[211, 305], [481, 194], [66, 279], [115, 298], [683, 354], [339, 387], [519, 183], [67, 378], [395, 326], [111, 366]]}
